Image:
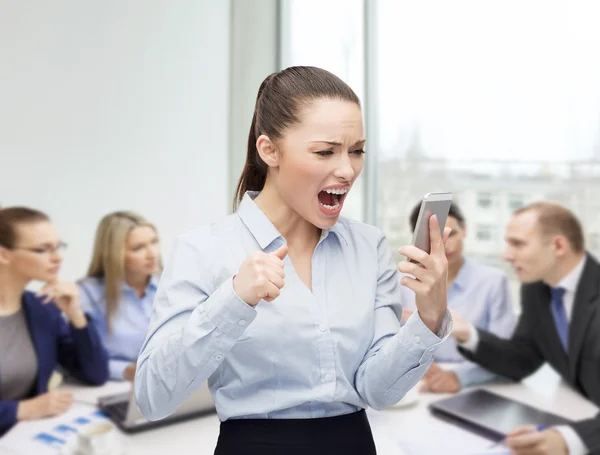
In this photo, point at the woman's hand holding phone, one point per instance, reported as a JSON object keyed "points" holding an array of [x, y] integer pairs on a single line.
{"points": [[430, 271]]}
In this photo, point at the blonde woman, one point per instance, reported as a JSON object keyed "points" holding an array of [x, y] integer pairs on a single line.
{"points": [[120, 286]]}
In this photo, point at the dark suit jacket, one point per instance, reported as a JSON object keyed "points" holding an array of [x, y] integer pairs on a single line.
{"points": [[78, 351], [536, 341]]}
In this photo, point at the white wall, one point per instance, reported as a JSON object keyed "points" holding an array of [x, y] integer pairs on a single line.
{"points": [[111, 105], [254, 55]]}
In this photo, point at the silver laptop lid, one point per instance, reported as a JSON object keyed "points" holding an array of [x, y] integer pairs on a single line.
{"points": [[198, 401]]}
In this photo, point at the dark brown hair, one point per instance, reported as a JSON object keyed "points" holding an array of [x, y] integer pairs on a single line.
{"points": [[554, 219], [10, 217], [280, 99]]}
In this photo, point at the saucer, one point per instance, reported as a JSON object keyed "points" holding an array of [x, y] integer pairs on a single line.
{"points": [[115, 451], [70, 448]]}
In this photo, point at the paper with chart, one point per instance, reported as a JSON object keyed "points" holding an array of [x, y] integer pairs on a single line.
{"points": [[48, 436], [441, 437], [416, 433]]}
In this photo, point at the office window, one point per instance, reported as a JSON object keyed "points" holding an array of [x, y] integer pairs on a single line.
{"points": [[485, 200], [458, 104], [515, 201], [484, 232], [464, 106], [594, 242]]}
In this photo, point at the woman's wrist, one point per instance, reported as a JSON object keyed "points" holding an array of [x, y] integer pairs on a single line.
{"points": [[77, 319], [432, 321], [24, 410]]}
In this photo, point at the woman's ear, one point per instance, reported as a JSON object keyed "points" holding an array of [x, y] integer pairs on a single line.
{"points": [[267, 151]]}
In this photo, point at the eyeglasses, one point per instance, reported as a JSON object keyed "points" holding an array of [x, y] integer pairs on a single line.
{"points": [[61, 246]]}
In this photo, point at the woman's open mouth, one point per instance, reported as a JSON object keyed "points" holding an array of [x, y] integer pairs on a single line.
{"points": [[331, 200]]}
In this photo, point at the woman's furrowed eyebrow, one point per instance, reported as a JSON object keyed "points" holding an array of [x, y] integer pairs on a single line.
{"points": [[362, 141]]}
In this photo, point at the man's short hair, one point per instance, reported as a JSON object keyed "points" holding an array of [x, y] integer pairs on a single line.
{"points": [[554, 219]]}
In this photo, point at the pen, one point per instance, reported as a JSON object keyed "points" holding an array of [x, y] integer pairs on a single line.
{"points": [[537, 428]]}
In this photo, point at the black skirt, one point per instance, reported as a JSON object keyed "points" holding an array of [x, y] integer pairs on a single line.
{"points": [[348, 435]]}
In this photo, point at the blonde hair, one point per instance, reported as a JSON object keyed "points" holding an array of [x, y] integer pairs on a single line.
{"points": [[108, 258]]}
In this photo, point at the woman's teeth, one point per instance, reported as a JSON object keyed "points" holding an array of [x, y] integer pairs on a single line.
{"points": [[331, 207], [338, 191]]}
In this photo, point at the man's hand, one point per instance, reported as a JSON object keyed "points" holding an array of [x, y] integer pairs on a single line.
{"points": [[440, 381], [461, 329], [528, 441], [433, 371]]}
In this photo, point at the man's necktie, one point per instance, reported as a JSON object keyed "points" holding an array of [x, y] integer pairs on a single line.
{"points": [[560, 316]]}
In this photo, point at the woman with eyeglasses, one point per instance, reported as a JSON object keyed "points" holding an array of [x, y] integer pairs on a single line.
{"points": [[35, 338], [119, 290]]}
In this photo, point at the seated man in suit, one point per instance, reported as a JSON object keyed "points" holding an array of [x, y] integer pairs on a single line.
{"points": [[478, 293], [559, 324]]}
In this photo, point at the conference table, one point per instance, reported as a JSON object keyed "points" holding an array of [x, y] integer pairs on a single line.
{"points": [[407, 429]]}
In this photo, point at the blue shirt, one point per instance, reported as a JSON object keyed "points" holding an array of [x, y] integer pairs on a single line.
{"points": [[481, 295], [129, 323], [307, 354]]}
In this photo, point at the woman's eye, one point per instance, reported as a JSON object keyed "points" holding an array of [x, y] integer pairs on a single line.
{"points": [[325, 152], [358, 152]]}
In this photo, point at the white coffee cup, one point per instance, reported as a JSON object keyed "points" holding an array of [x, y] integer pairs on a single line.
{"points": [[98, 439]]}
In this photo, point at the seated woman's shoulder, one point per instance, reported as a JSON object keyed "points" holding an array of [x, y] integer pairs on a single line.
{"points": [[35, 302], [93, 287], [91, 281], [31, 297]]}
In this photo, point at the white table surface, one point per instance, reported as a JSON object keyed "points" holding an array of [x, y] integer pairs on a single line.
{"points": [[543, 390]]}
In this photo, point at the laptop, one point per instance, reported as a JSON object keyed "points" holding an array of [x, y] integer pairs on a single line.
{"points": [[123, 411], [490, 415]]}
